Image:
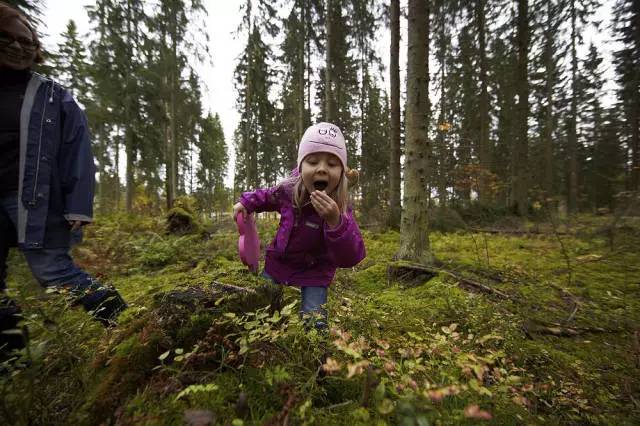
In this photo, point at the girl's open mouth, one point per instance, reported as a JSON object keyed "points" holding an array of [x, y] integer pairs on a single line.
{"points": [[320, 185]]}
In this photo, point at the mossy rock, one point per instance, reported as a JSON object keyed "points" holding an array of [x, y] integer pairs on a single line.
{"points": [[180, 222]]}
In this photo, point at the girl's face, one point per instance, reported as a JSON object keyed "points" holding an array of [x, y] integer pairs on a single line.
{"points": [[321, 171], [17, 48]]}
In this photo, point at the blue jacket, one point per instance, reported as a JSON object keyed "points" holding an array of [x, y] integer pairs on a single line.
{"points": [[57, 173]]}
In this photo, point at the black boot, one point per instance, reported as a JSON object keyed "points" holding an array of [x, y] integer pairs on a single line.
{"points": [[13, 336], [104, 304], [274, 295]]}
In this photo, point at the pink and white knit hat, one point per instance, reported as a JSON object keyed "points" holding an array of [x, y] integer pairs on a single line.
{"points": [[323, 137]]}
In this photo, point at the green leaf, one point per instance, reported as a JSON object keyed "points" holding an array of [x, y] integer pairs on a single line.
{"points": [[164, 355], [189, 390], [385, 407]]}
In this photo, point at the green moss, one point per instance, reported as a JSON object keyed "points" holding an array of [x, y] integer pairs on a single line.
{"points": [[429, 336]]}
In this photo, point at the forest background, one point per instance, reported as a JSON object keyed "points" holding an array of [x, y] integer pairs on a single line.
{"points": [[573, 139]]}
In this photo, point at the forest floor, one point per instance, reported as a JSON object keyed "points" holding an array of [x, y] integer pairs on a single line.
{"points": [[557, 342]]}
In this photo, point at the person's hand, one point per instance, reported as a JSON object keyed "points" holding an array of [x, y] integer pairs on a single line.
{"points": [[75, 224], [326, 208], [237, 208]]}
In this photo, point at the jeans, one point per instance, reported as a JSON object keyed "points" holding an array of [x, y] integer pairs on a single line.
{"points": [[51, 267], [54, 267], [313, 300]]}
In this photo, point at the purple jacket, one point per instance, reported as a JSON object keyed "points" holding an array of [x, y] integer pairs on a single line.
{"points": [[305, 251]]}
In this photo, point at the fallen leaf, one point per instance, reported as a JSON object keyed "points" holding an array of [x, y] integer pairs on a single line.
{"points": [[357, 368], [331, 366], [473, 411]]}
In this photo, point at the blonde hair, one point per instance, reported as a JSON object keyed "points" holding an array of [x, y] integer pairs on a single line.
{"points": [[300, 195]]}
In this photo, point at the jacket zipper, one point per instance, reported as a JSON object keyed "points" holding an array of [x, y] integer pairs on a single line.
{"points": [[35, 183]]}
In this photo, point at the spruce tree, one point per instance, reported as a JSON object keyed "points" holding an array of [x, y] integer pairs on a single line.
{"points": [[394, 127], [626, 29], [414, 232], [212, 164]]}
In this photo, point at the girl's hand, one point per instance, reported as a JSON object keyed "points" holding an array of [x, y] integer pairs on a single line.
{"points": [[326, 208], [237, 208]]}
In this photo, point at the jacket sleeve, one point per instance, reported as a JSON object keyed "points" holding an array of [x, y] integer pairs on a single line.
{"points": [[344, 242], [262, 200], [77, 168]]}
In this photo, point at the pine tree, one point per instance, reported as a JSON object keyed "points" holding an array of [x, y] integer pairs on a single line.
{"points": [[213, 161], [578, 13], [547, 90], [591, 113], [608, 168], [174, 21], [501, 69], [71, 63], [394, 127], [627, 60], [375, 153], [119, 39], [253, 80], [340, 100], [520, 154], [294, 116], [484, 144]]}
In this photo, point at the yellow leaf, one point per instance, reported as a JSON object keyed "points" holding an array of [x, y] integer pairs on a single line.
{"points": [[331, 366], [473, 411], [357, 368]]}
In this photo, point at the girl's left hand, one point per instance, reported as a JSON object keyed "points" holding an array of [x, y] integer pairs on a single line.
{"points": [[326, 208]]}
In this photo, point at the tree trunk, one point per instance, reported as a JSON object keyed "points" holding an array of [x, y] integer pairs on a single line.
{"points": [[484, 151], [117, 168], [328, 71], [172, 136], [547, 144], [131, 154], [167, 165], [301, 69], [173, 100], [572, 142], [129, 137], [414, 232], [394, 139], [520, 155]]}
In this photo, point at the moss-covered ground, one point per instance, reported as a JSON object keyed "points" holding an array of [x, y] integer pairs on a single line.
{"points": [[563, 348]]}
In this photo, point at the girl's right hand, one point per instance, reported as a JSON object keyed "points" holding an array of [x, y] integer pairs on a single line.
{"points": [[237, 208]]}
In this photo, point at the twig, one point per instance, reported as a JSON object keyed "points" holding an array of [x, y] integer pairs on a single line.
{"points": [[338, 405], [636, 347], [486, 249], [483, 288], [563, 249], [234, 288], [556, 329], [573, 313], [516, 231], [462, 280]]}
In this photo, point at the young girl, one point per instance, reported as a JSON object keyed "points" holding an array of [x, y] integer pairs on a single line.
{"points": [[317, 231]]}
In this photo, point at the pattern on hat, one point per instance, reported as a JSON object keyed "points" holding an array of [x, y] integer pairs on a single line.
{"points": [[323, 137]]}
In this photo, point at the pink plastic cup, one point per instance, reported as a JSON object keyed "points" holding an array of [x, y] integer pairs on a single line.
{"points": [[249, 242]]}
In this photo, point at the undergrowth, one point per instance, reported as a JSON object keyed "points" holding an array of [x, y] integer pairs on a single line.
{"points": [[199, 334]]}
